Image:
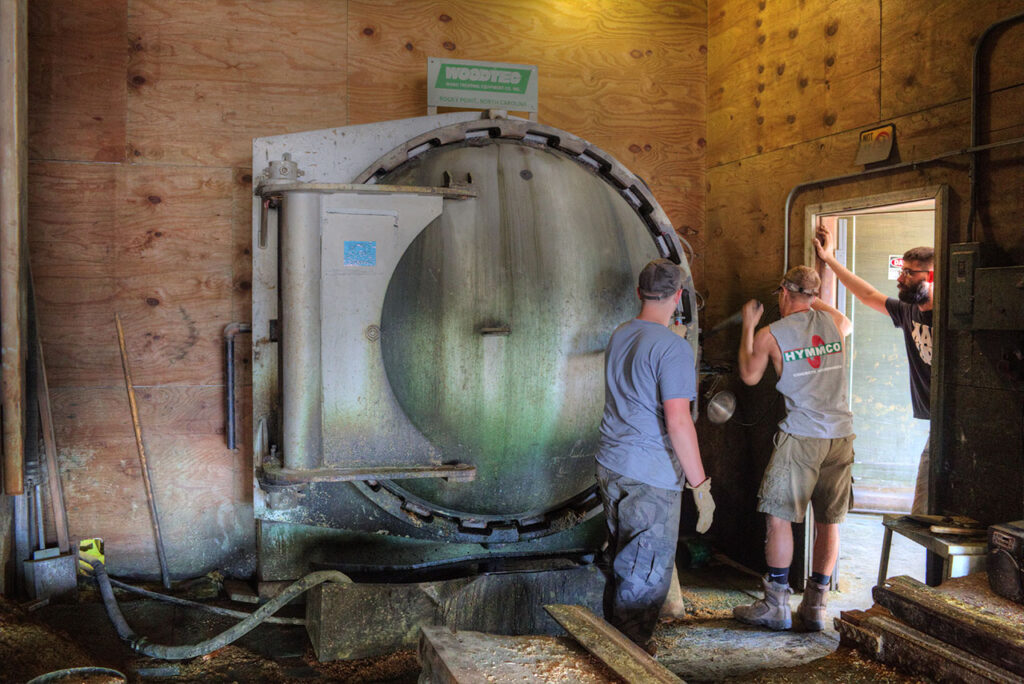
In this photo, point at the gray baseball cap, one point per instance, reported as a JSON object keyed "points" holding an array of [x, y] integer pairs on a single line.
{"points": [[660, 278]]}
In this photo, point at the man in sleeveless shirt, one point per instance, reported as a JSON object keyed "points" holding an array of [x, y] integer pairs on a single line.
{"points": [[813, 452], [911, 313], [648, 450]]}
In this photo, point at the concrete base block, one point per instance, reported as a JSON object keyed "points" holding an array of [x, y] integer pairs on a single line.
{"points": [[348, 621], [54, 578]]}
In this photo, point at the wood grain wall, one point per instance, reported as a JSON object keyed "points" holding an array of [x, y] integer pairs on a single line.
{"points": [[791, 84], [141, 115]]}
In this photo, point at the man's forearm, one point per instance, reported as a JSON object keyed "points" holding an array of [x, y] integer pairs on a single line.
{"points": [[684, 443], [746, 354]]}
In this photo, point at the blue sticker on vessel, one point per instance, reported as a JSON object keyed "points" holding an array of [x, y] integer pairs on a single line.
{"points": [[360, 253]]}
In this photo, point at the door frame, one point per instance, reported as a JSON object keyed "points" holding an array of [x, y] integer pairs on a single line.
{"points": [[852, 205]]}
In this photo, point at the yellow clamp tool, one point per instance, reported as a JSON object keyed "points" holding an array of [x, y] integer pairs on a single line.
{"points": [[89, 551]]}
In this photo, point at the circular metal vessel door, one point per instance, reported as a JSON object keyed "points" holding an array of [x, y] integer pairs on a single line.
{"points": [[496, 318]]}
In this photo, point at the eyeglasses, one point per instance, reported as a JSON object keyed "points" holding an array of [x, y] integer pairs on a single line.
{"points": [[909, 271]]}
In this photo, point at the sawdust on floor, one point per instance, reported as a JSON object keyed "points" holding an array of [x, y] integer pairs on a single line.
{"points": [[974, 593], [29, 650]]}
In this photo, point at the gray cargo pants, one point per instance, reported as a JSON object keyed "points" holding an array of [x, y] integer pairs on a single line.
{"points": [[643, 528]]}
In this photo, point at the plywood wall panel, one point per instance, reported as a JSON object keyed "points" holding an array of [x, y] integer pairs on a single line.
{"points": [[77, 57], [173, 93], [928, 49], [1001, 116], [576, 46], [781, 73], [173, 220], [173, 329], [205, 78], [202, 490], [76, 324], [204, 518], [241, 248], [108, 220], [72, 210], [153, 243], [746, 215], [628, 77]]}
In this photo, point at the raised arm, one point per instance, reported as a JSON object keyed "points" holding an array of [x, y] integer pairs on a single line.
{"points": [[755, 349], [861, 289]]}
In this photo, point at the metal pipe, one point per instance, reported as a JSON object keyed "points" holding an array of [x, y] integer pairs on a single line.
{"points": [[22, 537], [976, 76], [867, 172], [301, 392], [230, 331], [40, 528]]}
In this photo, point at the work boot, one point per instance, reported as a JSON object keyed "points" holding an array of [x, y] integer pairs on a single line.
{"points": [[772, 611], [812, 607]]}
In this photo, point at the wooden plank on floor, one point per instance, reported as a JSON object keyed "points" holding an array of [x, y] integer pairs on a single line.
{"points": [[853, 633], [610, 646], [467, 657], [994, 638], [444, 660], [889, 641]]}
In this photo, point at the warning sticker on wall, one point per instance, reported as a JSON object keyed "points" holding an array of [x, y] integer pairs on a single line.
{"points": [[895, 266]]}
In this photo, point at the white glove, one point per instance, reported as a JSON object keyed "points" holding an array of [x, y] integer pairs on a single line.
{"points": [[705, 504]]}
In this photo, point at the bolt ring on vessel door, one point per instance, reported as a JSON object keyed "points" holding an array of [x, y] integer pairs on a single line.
{"points": [[496, 317]]}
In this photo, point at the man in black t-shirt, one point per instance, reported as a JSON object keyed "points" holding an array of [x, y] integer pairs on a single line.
{"points": [[912, 313]]}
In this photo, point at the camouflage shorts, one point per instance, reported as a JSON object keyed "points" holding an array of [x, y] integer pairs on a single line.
{"points": [[808, 469], [643, 528]]}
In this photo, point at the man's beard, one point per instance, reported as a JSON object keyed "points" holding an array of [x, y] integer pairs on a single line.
{"points": [[915, 294]]}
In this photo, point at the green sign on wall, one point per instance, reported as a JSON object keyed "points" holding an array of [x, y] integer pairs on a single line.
{"points": [[481, 85]]}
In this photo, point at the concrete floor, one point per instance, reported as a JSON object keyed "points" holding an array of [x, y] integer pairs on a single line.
{"points": [[710, 646], [707, 645]]}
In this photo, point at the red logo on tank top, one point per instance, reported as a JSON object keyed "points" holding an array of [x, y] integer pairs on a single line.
{"points": [[815, 361]]}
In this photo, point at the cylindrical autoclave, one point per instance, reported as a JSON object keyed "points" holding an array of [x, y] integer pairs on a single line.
{"points": [[436, 294]]}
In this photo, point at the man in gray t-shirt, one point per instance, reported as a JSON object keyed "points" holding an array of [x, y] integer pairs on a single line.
{"points": [[648, 449]]}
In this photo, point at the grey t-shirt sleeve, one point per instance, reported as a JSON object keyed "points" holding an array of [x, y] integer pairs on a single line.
{"points": [[676, 373]]}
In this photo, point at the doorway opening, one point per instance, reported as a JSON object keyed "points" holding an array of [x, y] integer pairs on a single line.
{"points": [[870, 242], [872, 233]]}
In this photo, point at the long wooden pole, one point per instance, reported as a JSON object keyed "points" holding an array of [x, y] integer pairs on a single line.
{"points": [[164, 574], [60, 514], [14, 165]]}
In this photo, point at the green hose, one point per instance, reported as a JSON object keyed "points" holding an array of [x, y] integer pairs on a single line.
{"points": [[139, 644]]}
